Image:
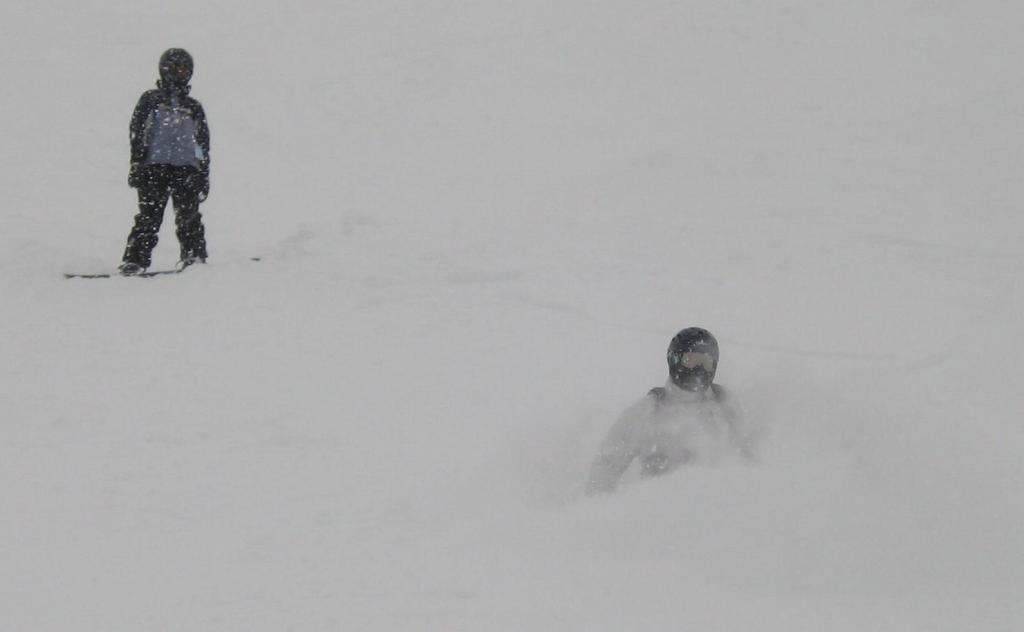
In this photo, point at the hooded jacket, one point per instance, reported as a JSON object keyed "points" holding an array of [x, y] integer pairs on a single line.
{"points": [[169, 127]]}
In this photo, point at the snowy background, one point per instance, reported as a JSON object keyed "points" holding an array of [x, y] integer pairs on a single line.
{"points": [[480, 223]]}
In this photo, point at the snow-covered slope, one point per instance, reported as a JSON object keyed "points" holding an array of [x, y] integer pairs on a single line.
{"points": [[479, 225]]}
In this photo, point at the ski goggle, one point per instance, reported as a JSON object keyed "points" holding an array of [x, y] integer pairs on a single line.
{"points": [[693, 359], [177, 69]]}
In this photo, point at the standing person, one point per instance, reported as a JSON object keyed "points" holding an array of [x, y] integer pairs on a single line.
{"points": [[689, 420], [170, 157]]}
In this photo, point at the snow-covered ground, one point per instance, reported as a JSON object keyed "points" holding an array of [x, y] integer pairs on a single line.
{"points": [[480, 223]]}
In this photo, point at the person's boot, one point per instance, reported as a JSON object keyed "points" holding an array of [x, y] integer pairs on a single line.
{"points": [[188, 260], [130, 268]]}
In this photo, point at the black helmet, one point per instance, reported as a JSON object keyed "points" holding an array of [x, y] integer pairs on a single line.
{"points": [[693, 359], [175, 67]]}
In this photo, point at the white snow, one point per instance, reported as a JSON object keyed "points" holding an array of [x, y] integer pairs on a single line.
{"points": [[480, 223]]}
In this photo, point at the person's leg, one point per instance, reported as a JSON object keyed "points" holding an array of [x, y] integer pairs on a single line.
{"points": [[189, 222], [153, 196]]}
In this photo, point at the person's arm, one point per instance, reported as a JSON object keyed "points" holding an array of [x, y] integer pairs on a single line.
{"points": [[203, 140], [203, 137], [137, 128], [740, 436], [136, 138], [606, 471], [616, 453]]}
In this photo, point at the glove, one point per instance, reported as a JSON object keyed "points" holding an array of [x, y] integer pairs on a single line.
{"points": [[135, 175]]}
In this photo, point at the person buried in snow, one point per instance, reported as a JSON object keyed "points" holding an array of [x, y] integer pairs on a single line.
{"points": [[170, 158], [690, 420]]}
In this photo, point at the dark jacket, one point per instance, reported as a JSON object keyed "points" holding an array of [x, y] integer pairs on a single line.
{"points": [[142, 132]]}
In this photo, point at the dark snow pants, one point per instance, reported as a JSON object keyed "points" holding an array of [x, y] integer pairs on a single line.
{"points": [[158, 183]]}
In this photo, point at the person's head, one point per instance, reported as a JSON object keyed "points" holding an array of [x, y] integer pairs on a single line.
{"points": [[175, 68], [693, 359]]}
